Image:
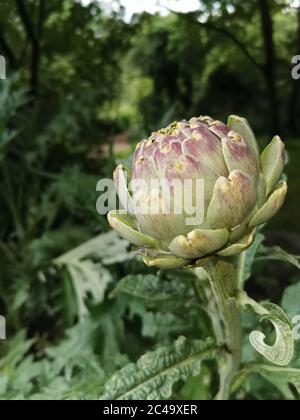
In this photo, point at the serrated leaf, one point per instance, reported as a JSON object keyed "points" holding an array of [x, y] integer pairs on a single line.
{"points": [[153, 289], [161, 325], [17, 368], [278, 254], [107, 247], [155, 373], [78, 343], [89, 280]]}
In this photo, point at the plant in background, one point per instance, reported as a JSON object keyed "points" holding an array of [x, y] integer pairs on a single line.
{"points": [[242, 190]]}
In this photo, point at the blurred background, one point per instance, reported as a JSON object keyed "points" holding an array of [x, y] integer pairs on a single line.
{"points": [[85, 81]]}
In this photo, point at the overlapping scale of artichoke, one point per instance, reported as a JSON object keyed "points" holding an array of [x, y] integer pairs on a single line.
{"points": [[241, 190]]}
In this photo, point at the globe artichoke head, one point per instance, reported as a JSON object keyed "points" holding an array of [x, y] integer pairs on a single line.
{"points": [[240, 190]]}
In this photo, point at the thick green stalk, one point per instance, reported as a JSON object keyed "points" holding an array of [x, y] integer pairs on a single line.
{"points": [[223, 281]]}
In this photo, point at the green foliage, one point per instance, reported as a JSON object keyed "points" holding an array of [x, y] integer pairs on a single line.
{"points": [[156, 291], [290, 303], [153, 376], [281, 353], [85, 317], [115, 319], [291, 299], [278, 254], [88, 276], [282, 378], [11, 100], [246, 260], [286, 380], [75, 372]]}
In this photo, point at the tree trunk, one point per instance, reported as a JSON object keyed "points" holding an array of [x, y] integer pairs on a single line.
{"points": [[293, 118], [34, 34], [270, 65]]}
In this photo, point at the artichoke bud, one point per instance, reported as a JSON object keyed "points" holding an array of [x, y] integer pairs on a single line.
{"points": [[197, 189]]}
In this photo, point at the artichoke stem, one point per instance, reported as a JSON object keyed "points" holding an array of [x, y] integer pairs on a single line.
{"points": [[223, 281]]}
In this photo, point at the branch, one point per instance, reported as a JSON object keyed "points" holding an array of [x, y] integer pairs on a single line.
{"points": [[25, 17], [233, 38], [229, 35]]}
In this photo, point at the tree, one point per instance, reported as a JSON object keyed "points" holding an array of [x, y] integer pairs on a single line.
{"points": [[269, 67], [170, 52], [226, 15]]}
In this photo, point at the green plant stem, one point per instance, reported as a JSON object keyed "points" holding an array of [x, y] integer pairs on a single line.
{"points": [[223, 281], [205, 296]]}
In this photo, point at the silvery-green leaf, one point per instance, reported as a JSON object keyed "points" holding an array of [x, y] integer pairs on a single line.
{"points": [[281, 377], [84, 264], [89, 279], [291, 300], [153, 289], [272, 163], [246, 260], [278, 254], [107, 247], [155, 373], [282, 352], [291, 304]]}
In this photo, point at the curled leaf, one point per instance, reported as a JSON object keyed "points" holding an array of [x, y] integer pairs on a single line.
{"points": [[282, 351]]}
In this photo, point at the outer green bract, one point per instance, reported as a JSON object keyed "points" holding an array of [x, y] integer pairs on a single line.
{"points": [[242, 190]]}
